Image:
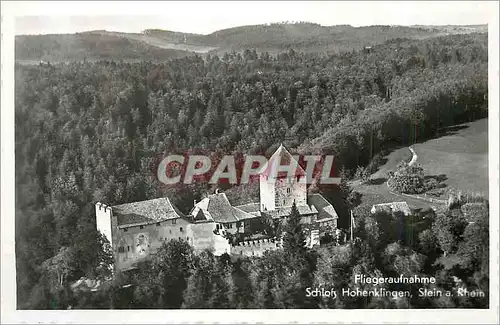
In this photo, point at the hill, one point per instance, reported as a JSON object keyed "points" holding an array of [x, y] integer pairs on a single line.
{"points": [[156, 44], [90, 46], [307, 37]]}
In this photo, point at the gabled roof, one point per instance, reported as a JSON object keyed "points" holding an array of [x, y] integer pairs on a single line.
{"points": [[281, 157], [200, 216], [286, 211], [252, 208], [242, 215], [325, 209], [392, 207], [149, 211], [217, 207], [220, 209]]}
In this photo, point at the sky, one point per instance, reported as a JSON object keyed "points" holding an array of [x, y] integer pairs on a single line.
{"points": [[54, 17]]}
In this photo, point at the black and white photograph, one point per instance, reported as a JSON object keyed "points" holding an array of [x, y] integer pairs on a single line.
{"points": [[248, 157]]}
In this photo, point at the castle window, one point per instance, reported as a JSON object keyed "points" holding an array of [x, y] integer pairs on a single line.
{"points": [[174, 221], [128, 248], [158, 224], [121, 249], [283, 201], [288, 190], [181, 229], [141, 227]]}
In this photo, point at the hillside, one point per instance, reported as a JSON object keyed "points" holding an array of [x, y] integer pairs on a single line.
{"points": [[460, 153], [308, 37], [155, 44], [89, 46]]}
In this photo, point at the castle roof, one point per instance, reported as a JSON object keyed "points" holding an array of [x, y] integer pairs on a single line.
{"points": [[286, 211], [252, 208], [216, 207], [325, 209], [149, 211], [318, 204], [281, 157]]}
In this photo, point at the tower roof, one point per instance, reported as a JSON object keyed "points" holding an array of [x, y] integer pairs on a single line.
{"points": [[281, 157]]}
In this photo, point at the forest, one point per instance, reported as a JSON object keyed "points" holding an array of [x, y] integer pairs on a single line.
{"points": [[94, 131]]}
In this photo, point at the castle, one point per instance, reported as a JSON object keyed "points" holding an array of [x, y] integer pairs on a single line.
{"points": [[136, 230]]}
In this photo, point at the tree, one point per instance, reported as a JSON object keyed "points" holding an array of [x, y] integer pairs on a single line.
{"points": [[407, 179], [294, 239], [60, 266], [222, 285], [448, 228], [267, 277], [93, 252], [428, 246], [243, 289], [161, 281], [200, 285], [333, 271]]}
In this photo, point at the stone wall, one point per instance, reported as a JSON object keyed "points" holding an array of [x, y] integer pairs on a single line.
{"points": [[132, 244], [202, 236], [255, 247], [289, 190]]}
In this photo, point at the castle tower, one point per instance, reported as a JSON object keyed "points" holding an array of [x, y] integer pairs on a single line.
{"points": [[282, 181], [105, 221]]}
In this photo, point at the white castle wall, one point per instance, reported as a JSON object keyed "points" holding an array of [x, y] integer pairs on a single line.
{"points": [[104, 216]]}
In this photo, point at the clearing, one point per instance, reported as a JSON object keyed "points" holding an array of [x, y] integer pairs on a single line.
{"points": [[461, 154]]}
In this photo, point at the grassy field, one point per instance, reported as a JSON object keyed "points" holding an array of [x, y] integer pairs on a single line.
{"points": [[461, 154]]}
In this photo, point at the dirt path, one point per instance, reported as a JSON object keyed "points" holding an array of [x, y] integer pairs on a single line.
{"points": [[413, 158], [383, 191]]}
